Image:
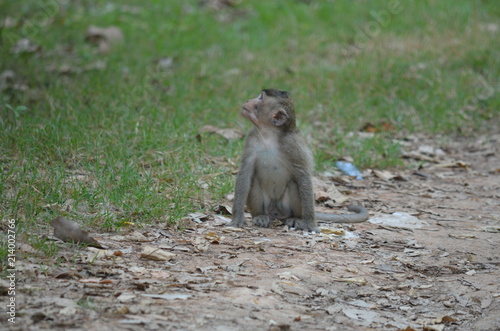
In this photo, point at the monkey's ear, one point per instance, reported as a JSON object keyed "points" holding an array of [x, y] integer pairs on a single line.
{"points": [[279, 117]]}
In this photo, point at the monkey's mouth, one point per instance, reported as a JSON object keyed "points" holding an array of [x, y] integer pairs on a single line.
{"points": [[249, 115], [245, 112]]}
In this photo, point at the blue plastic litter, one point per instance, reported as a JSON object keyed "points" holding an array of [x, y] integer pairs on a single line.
{"points": [[349, 169]]}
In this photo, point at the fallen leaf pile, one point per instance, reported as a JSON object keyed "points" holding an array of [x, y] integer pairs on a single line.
{"points": [[426, 260]]}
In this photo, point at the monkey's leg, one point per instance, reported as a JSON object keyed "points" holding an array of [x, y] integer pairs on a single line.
{"points": [[301, 224], [294, 202], [258, 202], [262, 220]]}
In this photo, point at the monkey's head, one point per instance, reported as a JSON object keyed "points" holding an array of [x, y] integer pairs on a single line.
{"points": [[271, 109]]}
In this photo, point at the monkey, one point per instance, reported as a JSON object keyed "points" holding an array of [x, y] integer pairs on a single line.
{"points": [[274, 179]]}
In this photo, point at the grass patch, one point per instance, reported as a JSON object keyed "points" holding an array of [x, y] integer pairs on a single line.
{"points": [[112, 138]]}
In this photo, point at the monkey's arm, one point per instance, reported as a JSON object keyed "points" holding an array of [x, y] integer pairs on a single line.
{"points": [[243, 185], [361, 215], [307, 197]]}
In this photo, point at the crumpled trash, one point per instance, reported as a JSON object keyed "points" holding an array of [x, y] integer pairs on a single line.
{"points": [[400, 220], [349, 169]]}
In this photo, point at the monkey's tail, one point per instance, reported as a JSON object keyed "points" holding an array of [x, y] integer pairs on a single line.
{"points": [[361, 215]]}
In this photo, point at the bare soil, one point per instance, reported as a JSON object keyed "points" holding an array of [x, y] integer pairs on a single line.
{"points": [[442, 276]]}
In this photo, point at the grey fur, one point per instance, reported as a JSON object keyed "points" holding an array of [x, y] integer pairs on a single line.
{"points": [[275, 176]]}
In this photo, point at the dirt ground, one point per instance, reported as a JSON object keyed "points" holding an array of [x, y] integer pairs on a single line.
{"points": [[438, 272]]}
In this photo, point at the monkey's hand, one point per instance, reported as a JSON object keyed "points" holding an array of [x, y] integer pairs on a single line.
{"points": [[262, 220], [237, 222], [301, 224]]}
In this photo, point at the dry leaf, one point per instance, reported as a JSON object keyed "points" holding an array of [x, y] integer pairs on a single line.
{"points": [[63, 69], [431, 150], [324, 192], [201, 244], [455, 164], [337, 232], [172, 296], [68, 311], [335, 195], [219, 4], [97, 65], [9, 80], [232, 229], [319, 184], [287, 275], [70, 231], [165, 63], [223, 209], [492, 229], [462, 236], [196, 217], [358, 280], [155, 254], [383, 174], [199, 216], [213, 237], [65, 273], [229, 134], [24, 45], [28, 249], [95, 280], [135, 236], [179, 248], [369, 127], [126, 297], [320, 196], [104, 37], [96, 254], [383, 126], [9, 22], [362, 316]]}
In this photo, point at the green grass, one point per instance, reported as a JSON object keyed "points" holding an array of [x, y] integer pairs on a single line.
{"points": [[120, 144]]}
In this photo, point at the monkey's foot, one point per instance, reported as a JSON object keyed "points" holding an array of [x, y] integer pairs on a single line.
{"points": [[301, 224], [262, 220], [235, 223]]}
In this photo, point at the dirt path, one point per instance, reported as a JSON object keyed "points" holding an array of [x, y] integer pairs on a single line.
{"points": [[442, 276]]}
